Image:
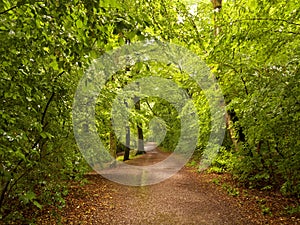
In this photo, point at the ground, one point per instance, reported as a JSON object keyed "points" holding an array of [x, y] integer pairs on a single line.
{"points": [[187, 197]]}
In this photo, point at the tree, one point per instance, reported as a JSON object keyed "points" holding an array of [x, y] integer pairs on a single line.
{"points": [[45, 47], [127, 144], [254, 61], [140, 147]]}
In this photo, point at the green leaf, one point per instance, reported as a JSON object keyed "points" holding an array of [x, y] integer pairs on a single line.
{"points": [[79, 24], [37, 204]]}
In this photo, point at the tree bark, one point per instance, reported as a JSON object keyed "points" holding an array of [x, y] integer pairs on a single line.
{"points": [[127, 143], [217, 4], [112, 144], [141, 148]]}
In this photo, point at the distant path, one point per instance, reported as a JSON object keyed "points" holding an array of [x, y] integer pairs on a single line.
{"points": [[186, 198]]}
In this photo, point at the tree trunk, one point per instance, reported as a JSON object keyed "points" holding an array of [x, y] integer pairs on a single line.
{"points": [[127, 143], [141, 149], [112, 144], [217, 5], [230, 116]]}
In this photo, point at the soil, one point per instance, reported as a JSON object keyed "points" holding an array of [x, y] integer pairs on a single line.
{"points": [[187, 198]]}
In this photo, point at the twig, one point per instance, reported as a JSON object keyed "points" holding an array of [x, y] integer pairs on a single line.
{"points": [[46, 108], [5, 11]]}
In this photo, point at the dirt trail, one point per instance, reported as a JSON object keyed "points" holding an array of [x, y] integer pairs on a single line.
{"points": [[183, 199], [186, 198]]}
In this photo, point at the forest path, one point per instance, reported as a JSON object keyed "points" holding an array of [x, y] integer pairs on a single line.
{"points": [[186, 198]]}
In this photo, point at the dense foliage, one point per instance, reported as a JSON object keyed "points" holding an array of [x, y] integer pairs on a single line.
{"points": [[256, 58], [253, 48]]}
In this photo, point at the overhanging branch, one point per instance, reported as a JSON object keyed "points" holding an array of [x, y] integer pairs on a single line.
{"points": [[5, 11], [267, 19]]}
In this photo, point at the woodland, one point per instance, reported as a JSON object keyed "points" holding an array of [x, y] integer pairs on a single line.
{"points": [[251, 47]]}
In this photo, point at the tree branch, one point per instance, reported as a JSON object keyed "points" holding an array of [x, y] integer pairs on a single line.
{"points": [[46, 108], [245, 86], [286, 32], [151, 108], [50, 99], [5, 11], [58, 76], [267, 19]]}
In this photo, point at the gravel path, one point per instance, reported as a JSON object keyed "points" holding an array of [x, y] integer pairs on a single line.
{"points": [[185, 198]]}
